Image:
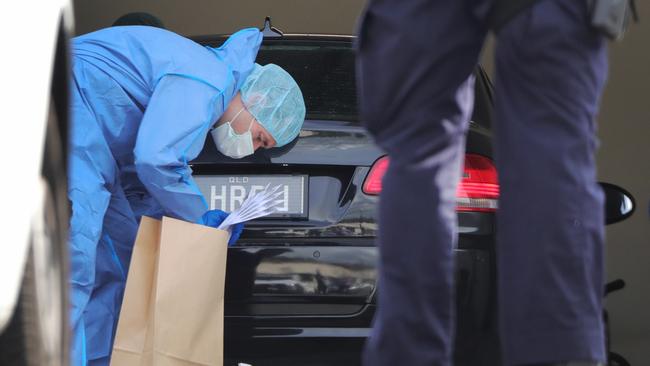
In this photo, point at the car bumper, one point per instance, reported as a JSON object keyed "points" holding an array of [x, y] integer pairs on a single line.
{"points": [[329, 291]]}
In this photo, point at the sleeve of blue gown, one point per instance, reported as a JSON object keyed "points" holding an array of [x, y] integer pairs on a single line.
{"points": [[176, 123], [172, 133]]}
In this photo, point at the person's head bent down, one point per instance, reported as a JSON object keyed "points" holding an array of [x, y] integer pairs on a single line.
{"points": [[267, 112]]}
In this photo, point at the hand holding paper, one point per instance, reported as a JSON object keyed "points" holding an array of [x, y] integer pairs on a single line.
{"points": [[256, 205], [260, 204], [214, 218]]}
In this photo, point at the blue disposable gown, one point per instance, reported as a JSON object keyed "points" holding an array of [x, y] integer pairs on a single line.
{"points": [[143, 100]]}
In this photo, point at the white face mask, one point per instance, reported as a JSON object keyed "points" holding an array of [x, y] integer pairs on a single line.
{"points": [[230, 143]]}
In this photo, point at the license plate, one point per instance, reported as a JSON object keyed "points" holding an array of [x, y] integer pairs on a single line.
{"points": [[227, 193]]}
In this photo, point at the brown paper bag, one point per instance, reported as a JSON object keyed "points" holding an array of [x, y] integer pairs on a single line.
{"points": [[172, 313]]}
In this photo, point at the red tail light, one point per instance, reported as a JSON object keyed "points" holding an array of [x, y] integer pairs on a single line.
{"points": [[478, 189], [372, 185]]}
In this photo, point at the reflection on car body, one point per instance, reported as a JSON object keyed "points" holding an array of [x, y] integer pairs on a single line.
{"points": [[310, 277]]}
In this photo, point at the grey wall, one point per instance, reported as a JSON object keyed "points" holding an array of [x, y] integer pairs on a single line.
{"points": [[624, 157], [196, 17]]}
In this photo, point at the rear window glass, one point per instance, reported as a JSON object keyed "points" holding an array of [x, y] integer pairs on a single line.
{"points": [[325, 72]]}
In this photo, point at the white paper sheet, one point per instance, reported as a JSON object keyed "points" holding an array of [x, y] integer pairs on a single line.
{"points": [[259, 204]]}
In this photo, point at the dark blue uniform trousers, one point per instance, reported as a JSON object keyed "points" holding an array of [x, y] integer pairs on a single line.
{"points": [[415, 66]]}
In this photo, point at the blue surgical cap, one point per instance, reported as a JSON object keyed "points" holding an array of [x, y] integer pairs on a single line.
{"points": [[273, 97]]}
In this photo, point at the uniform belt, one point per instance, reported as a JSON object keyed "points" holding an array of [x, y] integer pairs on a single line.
{"points": [[504, 10]]}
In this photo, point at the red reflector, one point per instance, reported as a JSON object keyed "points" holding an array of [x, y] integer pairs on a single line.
{"points": [[372, 185], [478, 189]]}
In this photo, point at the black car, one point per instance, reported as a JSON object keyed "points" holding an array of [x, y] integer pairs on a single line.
{"points": [[301, 285]]}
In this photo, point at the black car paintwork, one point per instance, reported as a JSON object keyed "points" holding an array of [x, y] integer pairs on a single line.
{"points": [[310, 277], [337, 163], [294, 279], [296, 288], [265, 328], [320, 142]]}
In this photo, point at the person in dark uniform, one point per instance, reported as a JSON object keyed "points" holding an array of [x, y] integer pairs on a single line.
{"points": [[415, 63]]}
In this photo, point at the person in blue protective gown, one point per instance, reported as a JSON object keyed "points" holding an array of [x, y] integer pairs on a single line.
{"points": [[143, 102]]}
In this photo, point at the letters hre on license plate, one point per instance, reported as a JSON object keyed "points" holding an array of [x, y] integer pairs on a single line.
{"points": [[227, 193]]}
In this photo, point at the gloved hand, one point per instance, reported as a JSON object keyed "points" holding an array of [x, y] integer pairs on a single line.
{"points": [[214, 218]]}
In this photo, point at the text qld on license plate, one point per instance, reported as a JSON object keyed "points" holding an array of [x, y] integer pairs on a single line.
{"points": [[227, 193]]}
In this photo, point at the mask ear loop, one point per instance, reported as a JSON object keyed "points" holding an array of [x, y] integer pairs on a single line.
{"points": [[251, 124], [232, 120], [254, 118], [236, 115]]}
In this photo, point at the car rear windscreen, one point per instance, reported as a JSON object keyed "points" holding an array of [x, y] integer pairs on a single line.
{"points": [[325, 72]]}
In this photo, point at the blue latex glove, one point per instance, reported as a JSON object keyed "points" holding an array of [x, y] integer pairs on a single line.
{"points": [[214, 218]]}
